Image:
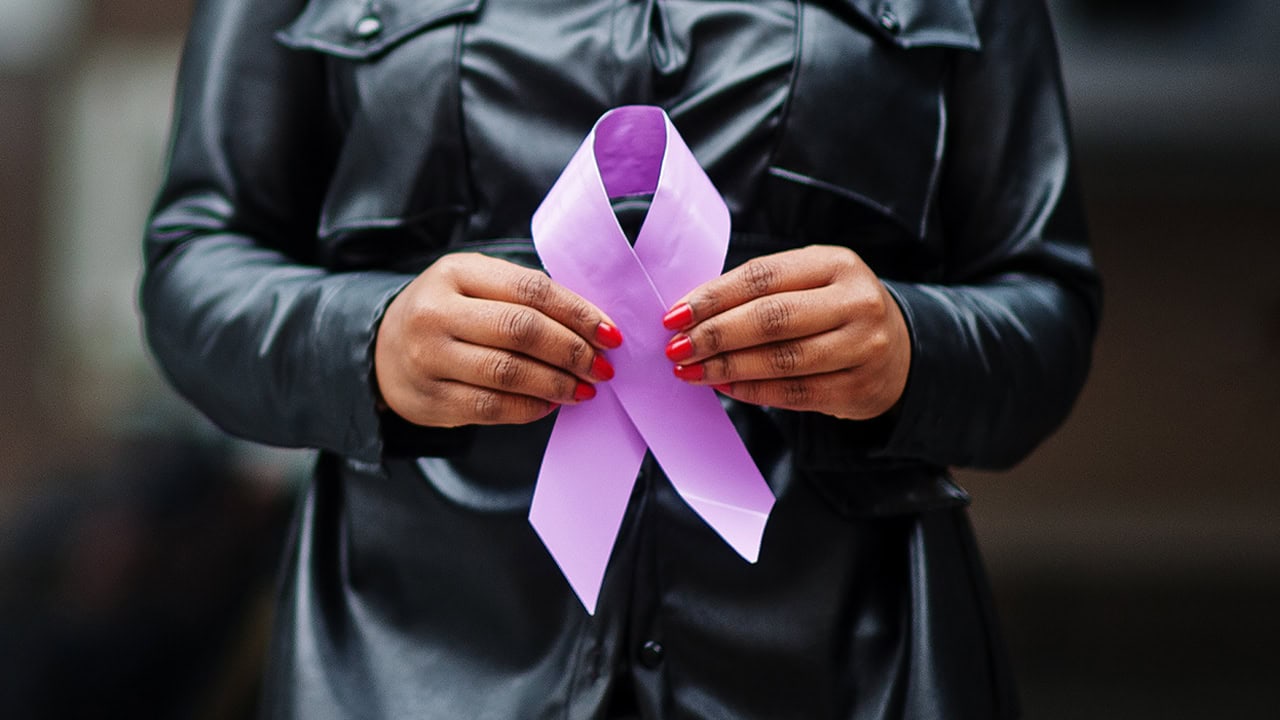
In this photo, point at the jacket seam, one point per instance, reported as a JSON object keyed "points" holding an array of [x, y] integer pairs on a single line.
{"points": [[784, 117], [940, 149], [468, 181]]}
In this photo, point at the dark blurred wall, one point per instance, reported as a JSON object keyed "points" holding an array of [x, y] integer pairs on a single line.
{"points": [[39, 426], [1135, 555], [21, 176]]}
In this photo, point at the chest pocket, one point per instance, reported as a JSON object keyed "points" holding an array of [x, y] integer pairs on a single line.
{"points": [[866, 126], [399, 184]]}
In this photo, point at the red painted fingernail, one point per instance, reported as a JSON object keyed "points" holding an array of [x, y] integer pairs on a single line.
{"points": [[554, 407], [680, 348], [608, 335], [723, 388], [601, 369], [690, 373], [584, 391], [678, 318]]}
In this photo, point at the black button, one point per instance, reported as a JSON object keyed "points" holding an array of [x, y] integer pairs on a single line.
{"points": [[889, 21], [651, 654], [367, 27]]}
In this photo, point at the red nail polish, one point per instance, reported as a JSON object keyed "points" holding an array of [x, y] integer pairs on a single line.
{"points": [[723, 388], [678, 318], [584, 391], [601, 369], [608, 335], [690, 373], [680, 348]]}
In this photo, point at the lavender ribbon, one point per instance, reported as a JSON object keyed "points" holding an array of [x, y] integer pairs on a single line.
{"points": [[596, 448]]}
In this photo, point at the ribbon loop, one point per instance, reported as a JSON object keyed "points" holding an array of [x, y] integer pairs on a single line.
{"points": [[596, 448]]}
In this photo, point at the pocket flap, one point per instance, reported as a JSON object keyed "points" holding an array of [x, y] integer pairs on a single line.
{"points": [[867, 114], [363, 29], [917, 23]]}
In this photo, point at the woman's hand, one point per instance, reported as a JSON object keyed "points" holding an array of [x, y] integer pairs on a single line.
{"points": [[807, 329], [476, 340]]}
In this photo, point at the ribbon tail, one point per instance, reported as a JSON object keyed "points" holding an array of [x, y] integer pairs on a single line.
{"points": [[703, 455], [583, 488], [741, 527]]}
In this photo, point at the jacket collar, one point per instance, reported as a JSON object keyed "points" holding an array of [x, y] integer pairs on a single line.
{"points": [[913, 23]]}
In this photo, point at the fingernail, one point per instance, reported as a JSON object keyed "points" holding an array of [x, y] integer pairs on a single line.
{"points": [[601, 369], [722, 388], [608, 335], [554, 407], [690, 373], [680, 348], [678, 318], [584, 391]]}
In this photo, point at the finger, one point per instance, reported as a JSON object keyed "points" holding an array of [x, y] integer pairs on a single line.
{"points": [[495, 279], [773, 318], [472, 405], [809, 393], [818, 354], [800, 269], [524, 330], [511, 373], [850, 394]]}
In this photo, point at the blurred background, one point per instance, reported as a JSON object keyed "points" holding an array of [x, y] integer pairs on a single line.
{"points": [[1135, 557]]}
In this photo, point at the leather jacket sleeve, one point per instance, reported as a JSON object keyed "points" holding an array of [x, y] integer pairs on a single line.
{"points": [[1001, 348], [238, 311]]}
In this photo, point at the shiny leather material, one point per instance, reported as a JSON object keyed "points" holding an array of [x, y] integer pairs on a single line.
{"points": [[315, 169]]}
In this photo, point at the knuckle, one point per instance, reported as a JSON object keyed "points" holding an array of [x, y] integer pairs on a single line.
{"points": [[710, 338], [533, 288], [773, 317], [583, 317], [845, 306], [417, 310], [796, 393], [505, 371], [759, 277], [749, 393], [446, 266], [520, 326], [529, 411], [455, 269], [870, 303], [876, 303], [487, 406], [707, 302], [577, 356], [860, 308], [877, 344], [784, 358], [840, 259], [419, 359], [564, 387], [720, 367]]}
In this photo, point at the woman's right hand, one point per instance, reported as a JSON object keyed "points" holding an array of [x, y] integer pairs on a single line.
{"points": [[477, 340]]}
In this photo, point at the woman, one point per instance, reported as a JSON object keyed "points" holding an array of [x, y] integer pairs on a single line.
{"points": [[340, 259]]}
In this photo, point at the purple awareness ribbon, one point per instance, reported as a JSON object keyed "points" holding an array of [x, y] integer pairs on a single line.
{"points": [[596, 448]]}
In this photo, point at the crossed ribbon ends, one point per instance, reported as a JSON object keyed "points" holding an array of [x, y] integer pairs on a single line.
{"points": [[596, 448]]}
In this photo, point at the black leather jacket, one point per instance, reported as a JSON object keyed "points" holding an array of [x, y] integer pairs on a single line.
{"points": [[324, 151]]}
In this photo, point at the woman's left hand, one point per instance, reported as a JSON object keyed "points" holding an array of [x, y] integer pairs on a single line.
{"points": [[806, 329]]}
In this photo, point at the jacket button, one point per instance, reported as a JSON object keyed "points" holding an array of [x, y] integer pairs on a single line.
{"points": [[367, 27], [889, 20], [651, 654]]}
